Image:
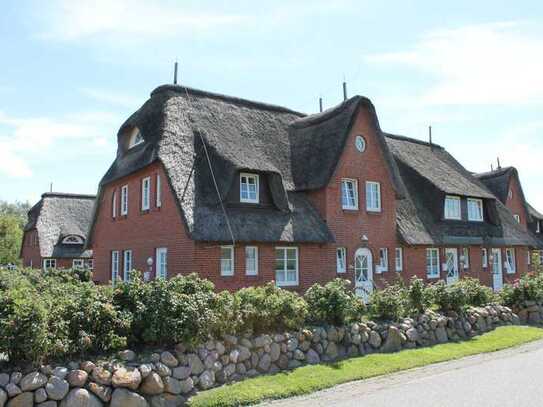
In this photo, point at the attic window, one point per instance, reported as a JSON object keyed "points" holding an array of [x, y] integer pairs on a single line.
{"points": [[517, 217], [248, 188], [475, 210], [360, 143], [72, 239], [452, 208], [135, 138]]}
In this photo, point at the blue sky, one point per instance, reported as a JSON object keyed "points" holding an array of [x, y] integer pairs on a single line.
{"points": [[72, 71]]}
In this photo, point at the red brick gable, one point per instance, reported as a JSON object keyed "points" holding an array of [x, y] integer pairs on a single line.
{"points": [[514, 201]]}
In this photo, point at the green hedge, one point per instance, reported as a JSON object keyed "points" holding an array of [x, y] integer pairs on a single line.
{"points": [[59, 313]]}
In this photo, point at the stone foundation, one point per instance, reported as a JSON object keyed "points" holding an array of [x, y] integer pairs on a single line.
{"points": [[169, 376]]}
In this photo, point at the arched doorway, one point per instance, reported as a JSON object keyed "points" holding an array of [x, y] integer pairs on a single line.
{"points": [[363, 273]]}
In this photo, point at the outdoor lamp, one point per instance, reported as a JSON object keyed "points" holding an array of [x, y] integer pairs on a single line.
{"points": [[147, 274]]}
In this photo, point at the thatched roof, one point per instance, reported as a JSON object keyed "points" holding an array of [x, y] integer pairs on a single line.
{"points": [[534, 213], [294, 151], [58, 215], [498, 182], [429, 173]]}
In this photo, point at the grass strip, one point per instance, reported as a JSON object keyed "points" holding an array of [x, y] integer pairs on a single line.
{"points": [[308, 379]]}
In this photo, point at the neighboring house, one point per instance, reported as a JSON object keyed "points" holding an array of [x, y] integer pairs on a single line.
{"points": [[536, 227], [292, 198], [56, 232], [452, 225]]}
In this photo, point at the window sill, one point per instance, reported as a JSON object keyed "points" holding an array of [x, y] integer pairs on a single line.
{"points": [[374, 211], [349, 209], [433, 277], [296, 284], [227, 275]]}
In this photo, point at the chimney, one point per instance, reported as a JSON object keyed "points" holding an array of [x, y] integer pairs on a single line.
{"points": [[175, 73], [344, 90], [320, 105]]}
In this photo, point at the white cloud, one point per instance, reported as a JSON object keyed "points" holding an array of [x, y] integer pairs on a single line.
{"points": [[499, 63], [69, 20], [28, 140]]}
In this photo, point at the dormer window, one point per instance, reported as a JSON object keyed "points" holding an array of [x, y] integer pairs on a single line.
{"points": [[475, 210], [135, 138], [517, 217], [452, 208], [72, 239], [248, 188]]}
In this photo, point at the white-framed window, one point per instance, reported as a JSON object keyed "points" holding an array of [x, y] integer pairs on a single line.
{"points": [[158, 192], [341, 260], [127, 265], [399, 259], [510, 194], [383, 260], [114, 266], [373, 196], [78, 263], [432, 263], [475, 210], [529, 258], [251, 260], [452, 208], [227, 261], [349, 194], [161, 262], [248, 188], [465, 257], [510, 262], [49, 264], [484, 258], [124, 200], [114, 204], [73, 239], [286, 266], [135, 138], [146, 193], [517, 217]]}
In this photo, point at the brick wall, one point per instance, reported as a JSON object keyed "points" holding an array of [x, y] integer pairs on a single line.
{"points": [[515, 203]]}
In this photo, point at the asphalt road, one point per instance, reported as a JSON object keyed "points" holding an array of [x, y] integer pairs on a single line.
{"points": [[509, 378]]}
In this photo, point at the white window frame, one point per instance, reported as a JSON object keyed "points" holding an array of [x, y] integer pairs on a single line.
{"points": [[248, 176], [146, 193], [465, 255], [158, 192], [114, 266], [161, 267], [399, 259], [432, 267], [510, 260], [78, 264], [383, 260], [484, 257], [124, 200], [341, 260], [114, 205], [49, 264], [479, 209], [249, 269], [447, 212], [284, 282], [529, 259], [133, 142], [345, 203], [128, 262], [223, 261], [371, 199], [517, 217], [73, 239]]}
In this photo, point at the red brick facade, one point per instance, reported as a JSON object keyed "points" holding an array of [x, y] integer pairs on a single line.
{"points": [[515, 203]]}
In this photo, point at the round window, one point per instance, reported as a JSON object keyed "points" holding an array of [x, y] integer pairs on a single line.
{"points": [[360, 143]]}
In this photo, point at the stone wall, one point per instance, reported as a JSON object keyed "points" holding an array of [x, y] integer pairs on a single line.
{"points": [[169, 376], [530, 312]]}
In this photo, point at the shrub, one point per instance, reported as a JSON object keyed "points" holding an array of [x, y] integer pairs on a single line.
{"points": [[268, 308], [418, 296], [335, 303], [529, 287], [476, 293], [388, 304], [181, 309]]}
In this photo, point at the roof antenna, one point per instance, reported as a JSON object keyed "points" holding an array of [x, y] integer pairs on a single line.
{"points": [[344, 89], [430, 135], [491, 167], [320, 104], [175, 73], [499, 165], [51, 187]]}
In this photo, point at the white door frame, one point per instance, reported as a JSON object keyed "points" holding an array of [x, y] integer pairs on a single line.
{"points": [[363, 273], [497, 269], [452, 265]]}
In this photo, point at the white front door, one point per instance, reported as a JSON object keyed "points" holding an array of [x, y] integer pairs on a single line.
{"points": [[497, 271], [451, 260], [363, 274]]}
